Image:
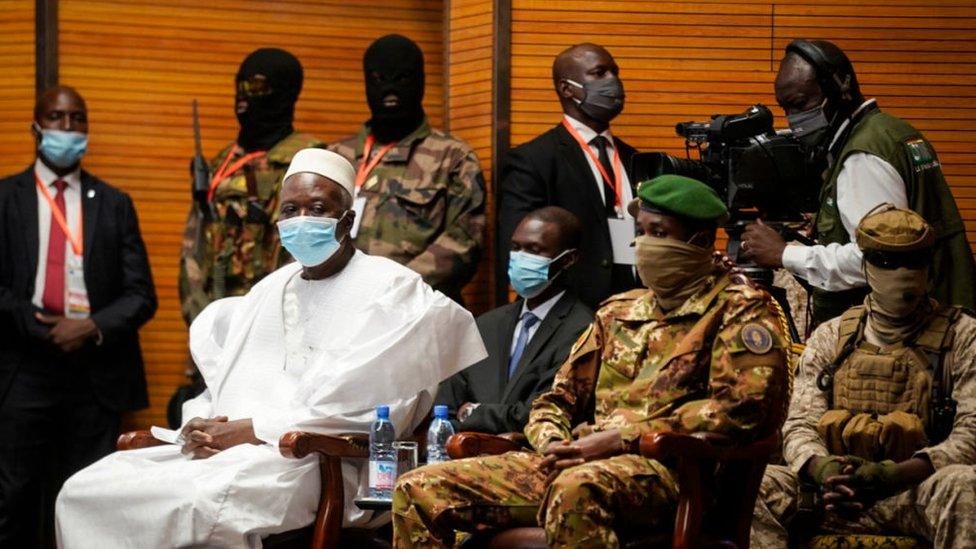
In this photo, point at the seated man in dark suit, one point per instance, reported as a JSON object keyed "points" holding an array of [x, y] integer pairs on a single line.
{"points": [[529, 339]]}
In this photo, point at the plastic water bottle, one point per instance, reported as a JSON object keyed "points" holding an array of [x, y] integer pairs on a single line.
{"points": [[382, 456], [440, 430]]}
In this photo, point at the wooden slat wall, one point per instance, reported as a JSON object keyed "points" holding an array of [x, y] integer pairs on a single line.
{"points": [[684, 60], [139, 63], [469, 116], [17, 93]]}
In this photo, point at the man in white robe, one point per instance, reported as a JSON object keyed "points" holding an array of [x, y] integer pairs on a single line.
{"points": [[315, 346]]}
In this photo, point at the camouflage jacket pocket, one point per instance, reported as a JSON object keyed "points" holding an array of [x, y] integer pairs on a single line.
{"points": [[415, 216]]}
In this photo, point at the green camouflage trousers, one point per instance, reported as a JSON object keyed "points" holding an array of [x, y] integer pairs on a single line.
{"points": [[942, 509], [582, 507]]}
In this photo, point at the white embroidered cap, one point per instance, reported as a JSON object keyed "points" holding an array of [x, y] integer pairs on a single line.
{"points": [[325, 163]]}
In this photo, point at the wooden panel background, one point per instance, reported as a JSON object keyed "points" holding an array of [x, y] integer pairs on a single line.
{"points": [[469, 39], [139, 63], [17, 93], [684, 60]]}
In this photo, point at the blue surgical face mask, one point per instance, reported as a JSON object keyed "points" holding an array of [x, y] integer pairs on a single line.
{"points": [[310, 240], [61, 148], [529, 273]]}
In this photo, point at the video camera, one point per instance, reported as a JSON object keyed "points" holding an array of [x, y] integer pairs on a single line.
{"points": [[757, 171], [759, 174]]}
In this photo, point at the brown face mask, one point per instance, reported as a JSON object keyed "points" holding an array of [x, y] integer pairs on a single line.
{"points": [[675, 270], [898, 302]]}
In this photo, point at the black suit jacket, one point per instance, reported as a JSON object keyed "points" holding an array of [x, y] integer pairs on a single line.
{"points": [[505, 403], [551, 170], [117, 277]]}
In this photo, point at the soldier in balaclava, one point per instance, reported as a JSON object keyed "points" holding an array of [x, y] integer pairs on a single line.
{"points": [[419, 196]]}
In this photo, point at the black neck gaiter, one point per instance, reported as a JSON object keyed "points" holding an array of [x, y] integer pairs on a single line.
{"points": [[268, 84], [393, 67]]}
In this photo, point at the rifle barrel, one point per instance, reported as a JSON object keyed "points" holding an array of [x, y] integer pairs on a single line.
{"points": [[196, 130]]}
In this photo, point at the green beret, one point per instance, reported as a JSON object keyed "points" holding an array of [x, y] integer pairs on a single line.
{"points": [[681, 196]]}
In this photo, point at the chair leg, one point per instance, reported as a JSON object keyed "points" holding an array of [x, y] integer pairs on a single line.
{"points": [[688, 521], [328, 520]]}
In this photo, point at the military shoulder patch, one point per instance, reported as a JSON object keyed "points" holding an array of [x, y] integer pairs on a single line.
{"points": [[921, 155], [756, 338]]}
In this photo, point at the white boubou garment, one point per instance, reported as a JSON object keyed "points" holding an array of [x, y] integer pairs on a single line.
{"points": [[292, 354]]}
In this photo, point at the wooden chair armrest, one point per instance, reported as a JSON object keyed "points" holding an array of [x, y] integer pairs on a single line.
{"points": [[298, 444], [331, 449], [701, 446], [470, 444], [516, 437], [134, 440], [695, 456]]}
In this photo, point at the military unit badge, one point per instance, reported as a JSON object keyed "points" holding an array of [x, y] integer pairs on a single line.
{"points": [[756, 338], [921, 155]]}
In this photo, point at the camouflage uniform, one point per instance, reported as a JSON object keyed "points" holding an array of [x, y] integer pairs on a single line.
{"points": [[636, 369], [228, 256], [942, 508], [425, 205], [796, 296]]}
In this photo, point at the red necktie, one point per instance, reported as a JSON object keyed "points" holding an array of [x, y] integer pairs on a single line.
{"points": [[54, 277]]}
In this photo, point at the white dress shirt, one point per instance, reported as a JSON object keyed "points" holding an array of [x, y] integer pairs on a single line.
{"points": [[541, 312], [72, 204], [587, 133], [864, 182]]}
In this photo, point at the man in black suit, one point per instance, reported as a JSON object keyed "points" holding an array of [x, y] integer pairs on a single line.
{"points": [[527, 341], [579, 166], [75, 286]]}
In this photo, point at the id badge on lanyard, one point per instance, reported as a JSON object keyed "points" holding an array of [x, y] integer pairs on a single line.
{"points": [[365, 167], [75, 293]]}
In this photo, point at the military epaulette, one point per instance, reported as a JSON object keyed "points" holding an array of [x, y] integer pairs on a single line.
{"points": [[741, 279], [629, 295], [285, 149], [442, 135], [743, 285]]}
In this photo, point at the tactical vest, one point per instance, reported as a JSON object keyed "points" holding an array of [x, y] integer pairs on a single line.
{"points": [[904, 147], [912, 377]]}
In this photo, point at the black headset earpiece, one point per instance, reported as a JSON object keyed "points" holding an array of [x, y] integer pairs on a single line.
{"points": [[827, 72]]}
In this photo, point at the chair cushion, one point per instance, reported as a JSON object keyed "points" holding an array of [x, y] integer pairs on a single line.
{"points": [[866, 541]]}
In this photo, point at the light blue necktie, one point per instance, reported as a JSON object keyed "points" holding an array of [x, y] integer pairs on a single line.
{"points": [[528, 321]]}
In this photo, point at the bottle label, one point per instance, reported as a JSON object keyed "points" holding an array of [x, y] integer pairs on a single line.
{"points": [[382, 474]]}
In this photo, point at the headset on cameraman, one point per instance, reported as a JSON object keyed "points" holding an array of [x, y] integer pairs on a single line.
{"points": [[835, 76]]}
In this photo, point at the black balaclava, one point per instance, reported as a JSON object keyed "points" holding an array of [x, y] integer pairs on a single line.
{"points": [[394, 65], [266, 118]]}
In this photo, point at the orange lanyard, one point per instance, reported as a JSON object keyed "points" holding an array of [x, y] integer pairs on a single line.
{"points": [[77, 244], [366, 167], [224, 171], [617, 170]]}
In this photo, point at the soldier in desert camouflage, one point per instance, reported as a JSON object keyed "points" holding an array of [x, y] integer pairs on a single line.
{"points": [[881, 432], [702, 350], [419, 191], [239, 246]]}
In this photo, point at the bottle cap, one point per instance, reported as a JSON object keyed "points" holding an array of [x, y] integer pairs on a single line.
{"points": [[382, 412], [440, 411]]}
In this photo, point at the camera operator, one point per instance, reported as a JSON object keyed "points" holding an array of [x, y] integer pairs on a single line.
{"points": [[870, 158]]}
